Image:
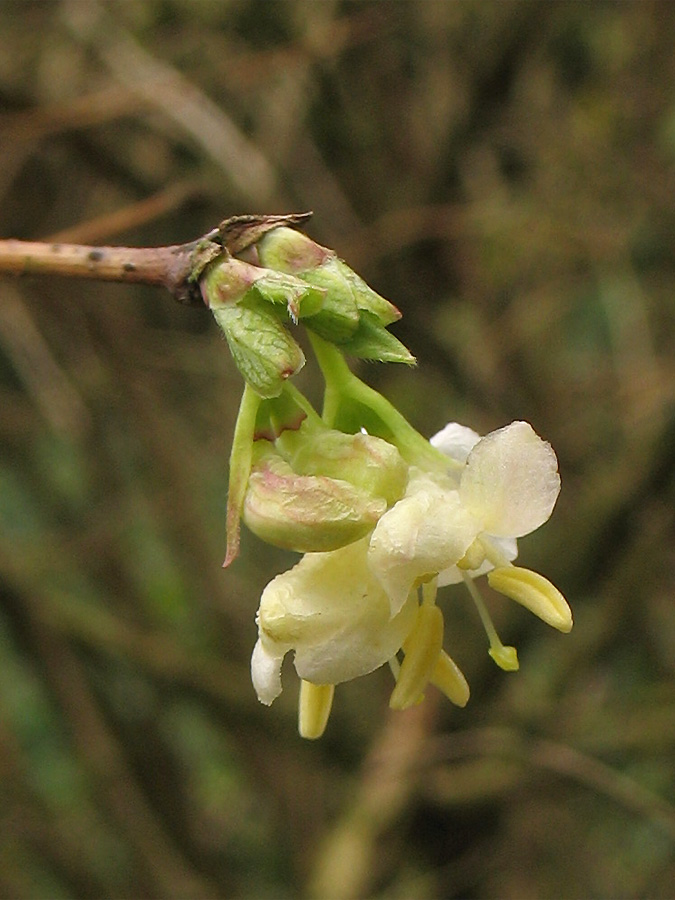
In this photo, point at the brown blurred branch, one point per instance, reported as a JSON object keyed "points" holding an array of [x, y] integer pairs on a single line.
{"points": [[166, 200], [561, 759], [175, 267], [183, 102], [348, 860]]}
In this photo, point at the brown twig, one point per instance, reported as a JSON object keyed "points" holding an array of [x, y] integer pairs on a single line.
{"points": [[176, 267], [165, 266]]}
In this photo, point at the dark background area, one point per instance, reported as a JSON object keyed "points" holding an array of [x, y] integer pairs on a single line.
{"points": [[504, 173]]}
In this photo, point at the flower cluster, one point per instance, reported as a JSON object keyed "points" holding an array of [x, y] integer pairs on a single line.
{"points": [[382, 516], [348, 611]]}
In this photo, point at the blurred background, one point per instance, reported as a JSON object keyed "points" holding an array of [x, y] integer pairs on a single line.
{"points": [[504, 172]]}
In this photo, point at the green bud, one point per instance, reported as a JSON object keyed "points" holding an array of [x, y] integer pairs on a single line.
{"points": [[351, 311], [263, 350], [287, 250], [305, 513], [228, 281], [369, 463]]}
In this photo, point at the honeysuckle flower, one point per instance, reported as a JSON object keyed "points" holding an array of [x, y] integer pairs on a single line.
{"points": [[348, 611], [509, 485], [336, 617], [454, 527], [333, 613]]}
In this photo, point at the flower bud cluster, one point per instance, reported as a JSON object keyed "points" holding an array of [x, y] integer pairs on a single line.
{"points": [[294, 279]]}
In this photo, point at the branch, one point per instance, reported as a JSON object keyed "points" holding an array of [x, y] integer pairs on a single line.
{"points": [[176, 268], [165, 266]]}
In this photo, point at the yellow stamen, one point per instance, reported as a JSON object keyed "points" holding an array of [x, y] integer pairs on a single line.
{"points": [[395, 667], [422, 650], [534, 592], [505, 657], [474, 556], [449, 679], [314, 708], [429, 591]]}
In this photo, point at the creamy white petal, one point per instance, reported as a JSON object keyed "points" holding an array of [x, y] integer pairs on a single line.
{"points": [[332, 611], [266, 674], [423, 534], [455, 440], [362, 646], [511, 482]]}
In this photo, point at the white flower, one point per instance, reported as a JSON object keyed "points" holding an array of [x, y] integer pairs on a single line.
{"points": [[506, 488], [426, 532], [509, 485], [332, 611], [465, 523], [348, 611]]}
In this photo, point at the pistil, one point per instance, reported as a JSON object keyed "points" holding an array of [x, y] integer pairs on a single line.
{"points": [[506, 657]]}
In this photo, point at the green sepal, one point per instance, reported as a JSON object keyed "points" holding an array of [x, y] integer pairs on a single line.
{"points": [[300, 298], [241, 456], [338, 320], [263, 350], [366, 298], [276, 415], [373, 341]]}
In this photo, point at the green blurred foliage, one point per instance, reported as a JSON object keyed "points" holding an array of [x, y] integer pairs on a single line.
{"points": [[504, 173]]}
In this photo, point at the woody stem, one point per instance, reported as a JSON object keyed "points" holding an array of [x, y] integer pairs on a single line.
{"points": [[167, 267], [176, 268]]}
